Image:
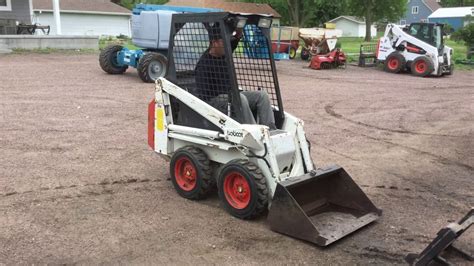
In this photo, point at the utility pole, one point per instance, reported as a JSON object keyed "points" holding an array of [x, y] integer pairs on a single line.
{"points": [[57, 16]]}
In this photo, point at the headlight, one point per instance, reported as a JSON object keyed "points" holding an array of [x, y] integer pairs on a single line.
{"points": [[265, 23], [241, 22]]}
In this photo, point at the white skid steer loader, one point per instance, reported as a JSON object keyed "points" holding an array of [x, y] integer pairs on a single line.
{"points": [[254, 168], [418, 47]]}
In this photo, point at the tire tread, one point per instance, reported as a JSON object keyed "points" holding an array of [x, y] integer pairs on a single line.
{"points": [[105, 60]]}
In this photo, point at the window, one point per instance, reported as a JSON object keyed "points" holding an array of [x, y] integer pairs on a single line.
{"points": [[414, 10], [5, 5]]}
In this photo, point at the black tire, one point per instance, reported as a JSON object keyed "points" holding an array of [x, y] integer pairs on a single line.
{"points": [[152, 66], [108, 60], [202, 174], [394, 63], [251, 178], [422, 66], [451, 70], [305, 54], [292, 53]]}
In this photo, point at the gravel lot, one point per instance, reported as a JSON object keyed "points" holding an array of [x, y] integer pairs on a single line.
{"points": [[78, 183]]}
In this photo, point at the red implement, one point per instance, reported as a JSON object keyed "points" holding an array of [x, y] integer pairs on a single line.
{"points": [[334, 59]]}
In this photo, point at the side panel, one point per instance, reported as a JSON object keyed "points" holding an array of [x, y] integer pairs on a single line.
{"points": [[162, 119]]}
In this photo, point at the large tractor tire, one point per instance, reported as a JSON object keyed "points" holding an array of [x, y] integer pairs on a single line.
{"points": [[243, 189], [152, 66], [394, 63], [108, 60], [191, 173], [422, 66]]}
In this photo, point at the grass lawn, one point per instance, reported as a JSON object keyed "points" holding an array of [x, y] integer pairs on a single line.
{"points": [[125, 42]]}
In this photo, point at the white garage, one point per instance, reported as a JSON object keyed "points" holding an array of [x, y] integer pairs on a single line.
{"points": [[84, 17], [352, 26]]}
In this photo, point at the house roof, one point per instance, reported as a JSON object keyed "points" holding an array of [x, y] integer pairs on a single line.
{"points": [[82, 6], [239, 7], [351, 18], [453, 12], [432, 4]]}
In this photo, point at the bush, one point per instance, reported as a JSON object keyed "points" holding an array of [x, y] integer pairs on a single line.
{"points": [[465, 34]]}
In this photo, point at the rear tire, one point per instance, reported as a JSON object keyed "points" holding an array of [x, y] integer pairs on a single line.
{"points": [[191, 173], [292, 53], [108, 60], [243, 189], [422, 66], [394, 62], [152, 66]]}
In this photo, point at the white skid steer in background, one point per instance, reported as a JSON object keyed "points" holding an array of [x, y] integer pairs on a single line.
{"points": [[255, 169], [418, 47]]}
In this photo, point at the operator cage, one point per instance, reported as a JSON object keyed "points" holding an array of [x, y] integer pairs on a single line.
{"points": [[250, 68]]}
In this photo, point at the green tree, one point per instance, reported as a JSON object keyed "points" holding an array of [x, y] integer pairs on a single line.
{"points": [[454, 3], [322, 11], [305, 13], [377, 11], [131, 3]]}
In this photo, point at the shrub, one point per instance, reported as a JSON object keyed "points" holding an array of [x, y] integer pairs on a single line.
{"points": [[465, 34]]}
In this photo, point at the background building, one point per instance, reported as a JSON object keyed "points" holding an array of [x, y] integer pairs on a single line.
{"points": [[456, 17], [352, 26], [419, 10]]}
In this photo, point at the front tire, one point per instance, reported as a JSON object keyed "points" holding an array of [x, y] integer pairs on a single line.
{"points": [[191, 173], [422, 66], [152, 66], [451, 70], [243, 189], [108, 60]]}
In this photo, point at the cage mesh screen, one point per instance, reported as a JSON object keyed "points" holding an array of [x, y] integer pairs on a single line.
{"points": [[207, 75], [252, 63], [201, 74]]}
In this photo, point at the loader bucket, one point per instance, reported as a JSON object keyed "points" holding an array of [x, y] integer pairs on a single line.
{"points": [[320, 207]]}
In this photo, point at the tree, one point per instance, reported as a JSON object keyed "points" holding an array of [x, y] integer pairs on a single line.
{"points": [[377, 11], [322, 11], [454, 3], [131, 3], [305, 13]]}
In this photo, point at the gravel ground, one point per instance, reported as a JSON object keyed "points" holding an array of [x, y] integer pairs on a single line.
{"points": [[78, 183]]}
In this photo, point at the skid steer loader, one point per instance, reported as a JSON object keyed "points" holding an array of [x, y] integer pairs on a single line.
{"points": [[418, 47], [254, 168]]}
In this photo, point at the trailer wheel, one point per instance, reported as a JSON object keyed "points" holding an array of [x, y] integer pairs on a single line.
{"points": [[394, 62], [243, 189], [304, 54], [108, 60], [191, 173], [292, 53], [152, 66], [422, 66]]}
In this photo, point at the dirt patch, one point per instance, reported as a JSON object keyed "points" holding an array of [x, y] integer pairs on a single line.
{"points": [[78, 183]]}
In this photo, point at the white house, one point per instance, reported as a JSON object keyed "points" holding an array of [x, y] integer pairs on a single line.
{"points": [[352, 26], [84, 17]]}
